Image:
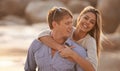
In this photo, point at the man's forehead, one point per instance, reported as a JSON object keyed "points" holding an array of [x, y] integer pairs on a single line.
{"points": [[66, 17]]}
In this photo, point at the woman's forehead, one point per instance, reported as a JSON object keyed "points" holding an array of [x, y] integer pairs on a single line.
{"points": [[90, 15]]}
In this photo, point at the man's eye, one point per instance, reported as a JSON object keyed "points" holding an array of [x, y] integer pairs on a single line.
{"points": [[67, 23]]}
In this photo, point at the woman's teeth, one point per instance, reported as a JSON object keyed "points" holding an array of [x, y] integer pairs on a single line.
{"points": [[84, 26]]}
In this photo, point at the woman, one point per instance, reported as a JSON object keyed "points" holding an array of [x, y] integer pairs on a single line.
{"points": [[87, 33]]}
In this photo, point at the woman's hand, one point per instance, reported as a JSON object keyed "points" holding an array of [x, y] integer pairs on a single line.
{"points": [[66, 52]]}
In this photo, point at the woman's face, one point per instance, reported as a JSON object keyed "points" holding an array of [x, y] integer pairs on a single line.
{"points": [[86, 22]]}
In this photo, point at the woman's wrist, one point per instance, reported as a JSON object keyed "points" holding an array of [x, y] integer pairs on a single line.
{"points": [[73, 55], [60, 47]]}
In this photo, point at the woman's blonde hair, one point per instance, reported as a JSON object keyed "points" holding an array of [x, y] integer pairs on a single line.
{"points": [[97, 29]]}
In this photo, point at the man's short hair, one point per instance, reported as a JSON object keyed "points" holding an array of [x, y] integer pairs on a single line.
{"points": [[57, 14]]}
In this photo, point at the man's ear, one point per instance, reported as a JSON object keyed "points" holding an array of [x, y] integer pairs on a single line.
{"points": [[54, 24]]}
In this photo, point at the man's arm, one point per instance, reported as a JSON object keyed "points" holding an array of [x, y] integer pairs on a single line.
{"points": [[30, 64]]}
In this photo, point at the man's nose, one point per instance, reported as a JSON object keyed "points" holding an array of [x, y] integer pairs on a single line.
{"points": [[71, 28]]}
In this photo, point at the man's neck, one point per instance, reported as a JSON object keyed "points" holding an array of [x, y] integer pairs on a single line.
{"points": [[58, 38]]}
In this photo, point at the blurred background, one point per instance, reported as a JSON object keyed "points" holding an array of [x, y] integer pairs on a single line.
{"points": [[21, 21]]}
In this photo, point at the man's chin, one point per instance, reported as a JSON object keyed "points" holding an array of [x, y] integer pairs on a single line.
{"points": [[66, 37]]}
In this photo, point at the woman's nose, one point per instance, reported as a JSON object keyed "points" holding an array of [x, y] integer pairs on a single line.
{"points": [[88, 22]]}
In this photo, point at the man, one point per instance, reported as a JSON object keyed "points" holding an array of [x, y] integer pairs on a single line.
{"points": [[47, 59]]}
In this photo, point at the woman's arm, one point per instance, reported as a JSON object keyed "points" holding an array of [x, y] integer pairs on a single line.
{"points": [[49, 41], [85, 64], [44, 36]]}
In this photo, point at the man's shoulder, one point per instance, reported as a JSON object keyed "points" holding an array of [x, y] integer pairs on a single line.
{"points": [[36, 42], [35, 45], [71, 42]]}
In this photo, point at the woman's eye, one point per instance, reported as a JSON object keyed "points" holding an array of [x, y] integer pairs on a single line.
{"points": [[92, 22], [86, 18]]}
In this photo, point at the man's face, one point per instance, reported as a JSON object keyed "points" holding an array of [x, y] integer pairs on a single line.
{"points": [[64, 28]]}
